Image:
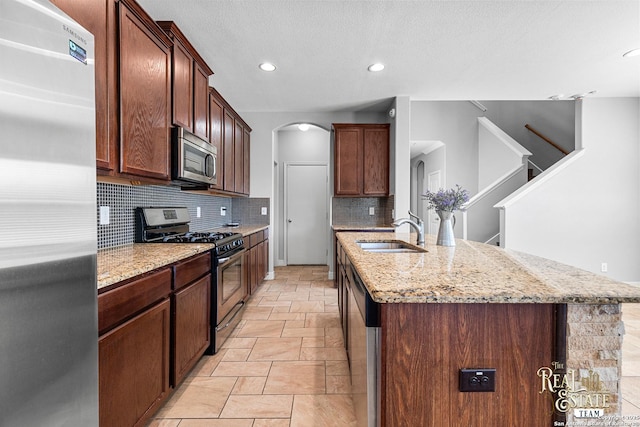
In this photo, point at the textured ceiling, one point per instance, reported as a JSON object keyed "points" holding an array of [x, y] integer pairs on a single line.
{"points": [[433, 50]]}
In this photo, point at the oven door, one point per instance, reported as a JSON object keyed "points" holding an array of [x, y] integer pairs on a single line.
{"points": [[231, 292]]}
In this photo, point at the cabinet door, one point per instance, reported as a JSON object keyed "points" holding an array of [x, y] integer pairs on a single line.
{"points": [[191, 323], [133, 363], [376, 161], [182, 86], [246, 142], [200, 102], [229, 159], [262, 261], [99, 18], [348, 161], [144, 99], [238, 152], [216, 114]]}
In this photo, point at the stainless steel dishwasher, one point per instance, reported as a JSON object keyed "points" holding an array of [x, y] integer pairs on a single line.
{"points": [[364, 352]]}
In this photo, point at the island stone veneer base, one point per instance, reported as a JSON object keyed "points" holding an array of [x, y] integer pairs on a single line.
{"points": [[594, 343]]}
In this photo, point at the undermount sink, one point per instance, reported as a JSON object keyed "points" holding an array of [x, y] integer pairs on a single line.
{"points": [[388, 246]]}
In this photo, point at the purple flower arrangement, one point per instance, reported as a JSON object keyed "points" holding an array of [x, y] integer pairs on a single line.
{"points": [[447, 200]]}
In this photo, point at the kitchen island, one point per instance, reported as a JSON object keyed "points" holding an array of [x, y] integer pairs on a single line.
{"points": [[544, 327]]}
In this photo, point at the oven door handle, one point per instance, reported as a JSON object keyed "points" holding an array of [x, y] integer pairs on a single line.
{"points": [[226, 325], [234, 256]]}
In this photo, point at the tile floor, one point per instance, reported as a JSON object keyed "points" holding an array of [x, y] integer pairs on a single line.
{"points": [[285, 365]]}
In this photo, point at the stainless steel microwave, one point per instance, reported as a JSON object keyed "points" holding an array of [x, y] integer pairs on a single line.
{"points": [[193, 159]]}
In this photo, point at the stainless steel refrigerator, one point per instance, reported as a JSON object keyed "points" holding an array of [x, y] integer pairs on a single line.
{"points": [[48, 306]]}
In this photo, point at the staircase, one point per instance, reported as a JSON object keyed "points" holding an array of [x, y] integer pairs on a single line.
{"points": [[504, 166]]}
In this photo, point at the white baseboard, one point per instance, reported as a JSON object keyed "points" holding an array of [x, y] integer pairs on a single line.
{"points": [[270, 275]]}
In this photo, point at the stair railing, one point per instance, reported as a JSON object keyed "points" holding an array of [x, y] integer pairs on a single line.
{"points": [[547, 140]]}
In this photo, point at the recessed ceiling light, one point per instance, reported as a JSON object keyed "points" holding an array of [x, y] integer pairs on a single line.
{"points": [[267, 66], [633, 52], [303, 127], [376, 67]]}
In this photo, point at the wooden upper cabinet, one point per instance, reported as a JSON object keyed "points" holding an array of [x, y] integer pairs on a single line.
{"points": [[182, 66], [238, 149], [235, 146], [348, 161], [229, 160], [99, 17], [361, 159], [376, 161], [190, 94], [201, 102], [216, 117], [246, 143], [145, 94]]}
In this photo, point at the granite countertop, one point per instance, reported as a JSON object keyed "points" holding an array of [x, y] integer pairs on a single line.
{"points": [[124, 262], [473, 272]]}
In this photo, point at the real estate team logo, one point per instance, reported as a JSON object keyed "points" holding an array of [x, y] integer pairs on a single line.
{"points": [[584, 397]]}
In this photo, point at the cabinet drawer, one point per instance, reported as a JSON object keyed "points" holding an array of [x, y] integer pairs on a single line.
{"points": [[190, 270], [253, 239], [121, 303]]}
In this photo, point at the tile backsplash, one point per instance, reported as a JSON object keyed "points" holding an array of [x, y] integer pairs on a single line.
{"points": [[123, 199], [355, 211]]}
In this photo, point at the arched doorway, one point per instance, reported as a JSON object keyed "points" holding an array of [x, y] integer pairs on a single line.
{"points": [[301, 195]]}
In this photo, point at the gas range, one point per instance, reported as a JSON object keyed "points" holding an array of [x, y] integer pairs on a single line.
{"points": [[171, 225]]}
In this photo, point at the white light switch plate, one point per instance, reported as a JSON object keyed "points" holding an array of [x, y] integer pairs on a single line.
{"points": [[263, 210], [372, 210], [198, 212]]}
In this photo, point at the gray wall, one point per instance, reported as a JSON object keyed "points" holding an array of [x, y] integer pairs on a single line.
{"points": [[585, 213], [264, 150], [553, 119], [295, 146], [455, 124]]}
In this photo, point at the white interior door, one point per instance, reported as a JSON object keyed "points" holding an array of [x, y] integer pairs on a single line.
{"points": [[433, 183], [306, 213]]}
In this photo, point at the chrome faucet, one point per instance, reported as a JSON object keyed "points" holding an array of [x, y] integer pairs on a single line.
{"points": [[418, 225]]}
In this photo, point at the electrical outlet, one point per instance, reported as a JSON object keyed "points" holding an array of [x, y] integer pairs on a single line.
{"points": [[198, 212], [604, 267], [223, 211], [372, 210], [478, 380], [104, 215], [263, 210]]}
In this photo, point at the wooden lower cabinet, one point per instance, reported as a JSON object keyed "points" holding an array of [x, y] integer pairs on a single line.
{"points": [[134, 368], [423, 347], [191, 326], [257, 258]]}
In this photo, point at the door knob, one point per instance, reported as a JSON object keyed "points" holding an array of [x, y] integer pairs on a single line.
{"points": [[289, 220]]}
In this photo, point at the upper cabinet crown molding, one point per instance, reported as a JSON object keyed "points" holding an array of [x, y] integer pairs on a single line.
{"points": [[171, 29]]}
